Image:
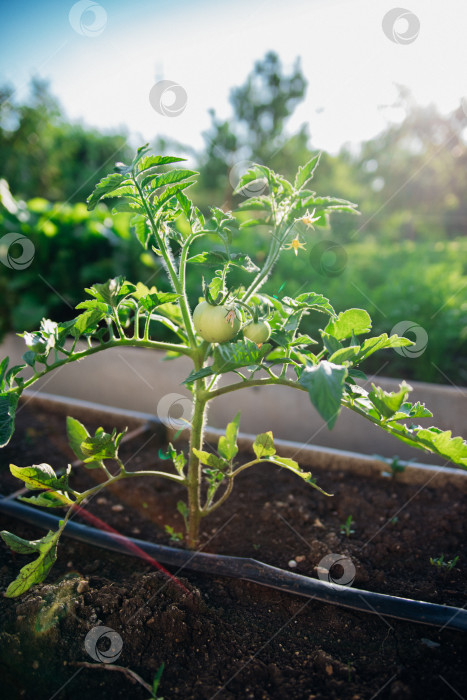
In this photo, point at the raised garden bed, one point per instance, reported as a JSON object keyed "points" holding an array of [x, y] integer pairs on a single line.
{"points": [[232, 638]]}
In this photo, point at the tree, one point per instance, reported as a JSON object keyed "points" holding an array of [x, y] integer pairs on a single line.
{"points": [[44, 155]]}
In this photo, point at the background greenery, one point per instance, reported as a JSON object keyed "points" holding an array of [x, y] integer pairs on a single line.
{"points": [[404, 258]]}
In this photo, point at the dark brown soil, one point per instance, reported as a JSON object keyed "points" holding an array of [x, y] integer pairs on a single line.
{"points": [[233, 639]]}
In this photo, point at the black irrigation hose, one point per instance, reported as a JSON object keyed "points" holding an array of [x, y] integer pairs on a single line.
{"points": [[443, 616]]}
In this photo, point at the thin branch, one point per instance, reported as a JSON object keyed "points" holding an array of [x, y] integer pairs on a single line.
{"points": [[131, 675]]}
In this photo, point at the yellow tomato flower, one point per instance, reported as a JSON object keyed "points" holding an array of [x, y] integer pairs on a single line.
{"points": [[296, 244], [309, 219]]}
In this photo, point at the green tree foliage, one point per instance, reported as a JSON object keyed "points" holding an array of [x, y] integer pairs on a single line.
{"points": [[42, 154]]}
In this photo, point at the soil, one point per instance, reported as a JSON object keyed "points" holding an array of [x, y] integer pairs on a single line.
{"points": [[227, 638]]}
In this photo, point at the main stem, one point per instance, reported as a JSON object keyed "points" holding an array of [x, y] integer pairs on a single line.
{"points": [[194, 467]]}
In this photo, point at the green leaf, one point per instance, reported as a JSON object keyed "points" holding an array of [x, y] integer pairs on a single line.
{"points": [[253, 174], [48, 499], [325, 384], [305, 172], [77, 434], [37, 570], [153, 161], [381, 342], [113, 291], [345, 354], [227, 445], [102, 446], [39, 476], [388, 403], [156, 180], [107, 185], [8, 405], [356, 321], [87, 322], [209, 459], [17, 544], [442, 442], [312, 301], [230, 356], [3, 369], [263, 446]]}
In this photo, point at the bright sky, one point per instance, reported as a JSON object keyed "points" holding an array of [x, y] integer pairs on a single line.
{"points": [[103, 67]]}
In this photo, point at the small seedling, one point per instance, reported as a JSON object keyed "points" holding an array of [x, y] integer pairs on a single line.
{"points": [[345, 528], [174, 536], [395, 465], [441, 564], [156, 683]]}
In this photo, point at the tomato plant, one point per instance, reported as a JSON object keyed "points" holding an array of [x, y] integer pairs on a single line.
{"points": [[120, 313]]}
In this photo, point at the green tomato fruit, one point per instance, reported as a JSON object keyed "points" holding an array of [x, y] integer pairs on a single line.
{"points": [[216, 324], [257, 332]]}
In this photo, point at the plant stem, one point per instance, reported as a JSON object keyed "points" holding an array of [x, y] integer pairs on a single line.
{"points": [[194, 467]]}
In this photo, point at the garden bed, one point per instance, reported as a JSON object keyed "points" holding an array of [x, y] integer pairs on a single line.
{"points": [[231, 638]]}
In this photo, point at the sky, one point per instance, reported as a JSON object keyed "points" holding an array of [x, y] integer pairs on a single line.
{"points": [[105, 61]]}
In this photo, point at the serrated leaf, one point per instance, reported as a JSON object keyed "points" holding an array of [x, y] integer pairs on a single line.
{"points": [[107, 185], [77, 434], [3, 369], [345, 354], [352, 321], [87, 322], [18, 544], [325, 383], [311, 300], [156, 180], [231, 356], [113, 291], [263, 446], [227, 445], [382, 342], [8, 405], [388, 403], [305, 172], [209, 459], [39, 476], [153, 161], [48, 499], [37, 570]]}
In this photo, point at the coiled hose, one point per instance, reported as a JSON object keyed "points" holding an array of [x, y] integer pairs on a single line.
{"points": [[446, 617]]}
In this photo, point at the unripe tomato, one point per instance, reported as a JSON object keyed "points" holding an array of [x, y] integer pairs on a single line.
{"points": [[257, 332], [216, 324]]}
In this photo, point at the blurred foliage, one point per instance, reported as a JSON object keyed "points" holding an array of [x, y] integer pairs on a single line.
{"points": [[43, 155], [405, 257], [74, 248]]}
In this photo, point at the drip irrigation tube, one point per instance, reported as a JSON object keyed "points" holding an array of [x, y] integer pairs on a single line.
{"points": [[446, 617]]}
